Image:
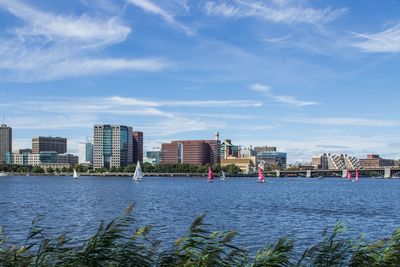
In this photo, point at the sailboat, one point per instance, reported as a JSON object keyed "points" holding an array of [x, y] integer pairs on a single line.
{"points": [[356, 177], [348, 175], [76, 175], [261, 177], [210, 175], [3, 174], [223, 175], [138, 175]]}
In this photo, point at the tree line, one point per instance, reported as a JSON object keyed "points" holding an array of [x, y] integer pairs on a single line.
{"points": [[146, 167]]}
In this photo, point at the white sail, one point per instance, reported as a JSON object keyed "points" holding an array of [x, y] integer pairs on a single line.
{"points": [[137, 176], [223, 175], [76, 176]]}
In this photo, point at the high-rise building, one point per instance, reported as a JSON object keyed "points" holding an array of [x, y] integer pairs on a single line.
{"points": [[112, 146], [195, 152], [260, 149], [137, 146], [5, 142], [45, 144], [85, 152]]}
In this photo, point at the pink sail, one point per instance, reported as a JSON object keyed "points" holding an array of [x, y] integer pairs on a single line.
{"points": [[348, 175], [210, 174], [356, 178], [261, 177]]}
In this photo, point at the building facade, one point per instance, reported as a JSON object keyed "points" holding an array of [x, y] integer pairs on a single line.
{"points": [[194, 152], [228, 149], [153, 156], [68, 159], [85, 152], [320, 162], [246, 165], [5, 142], [272, 160], [44, 144], [376, 162], [112, 146], [137, 146]]}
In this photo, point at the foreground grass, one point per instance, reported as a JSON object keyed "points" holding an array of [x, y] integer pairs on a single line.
{"points": [[114, 244]]}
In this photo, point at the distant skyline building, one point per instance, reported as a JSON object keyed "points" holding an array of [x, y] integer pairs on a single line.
{"points": [[85, 151], [154, 156], [112, 146], [137, 146], [260, 149], [194, 152], [5, 142], [49, 143], [228, 149], [272, 159], [374, 161]]}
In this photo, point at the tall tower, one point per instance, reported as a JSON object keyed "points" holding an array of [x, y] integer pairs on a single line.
{"points": [[112, 146], [5, 141], [137, 146]]}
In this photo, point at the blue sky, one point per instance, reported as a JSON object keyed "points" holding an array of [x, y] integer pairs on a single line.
{"points": [[306, 76]]}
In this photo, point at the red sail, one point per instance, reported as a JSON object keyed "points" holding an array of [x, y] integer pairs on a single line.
{"points": [[210, 174], [356, 178], [261, 177]]}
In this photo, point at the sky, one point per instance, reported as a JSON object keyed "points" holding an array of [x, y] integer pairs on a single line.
{"points": [[306, 76]]}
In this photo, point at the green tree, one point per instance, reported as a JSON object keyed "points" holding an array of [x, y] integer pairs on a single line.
{"points": [[37, 169]]}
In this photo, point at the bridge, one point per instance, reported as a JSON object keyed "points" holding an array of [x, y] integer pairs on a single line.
{"points": [[377, 173]]}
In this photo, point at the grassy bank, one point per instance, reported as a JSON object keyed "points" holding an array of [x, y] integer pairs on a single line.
{"points": [[120, 243]]}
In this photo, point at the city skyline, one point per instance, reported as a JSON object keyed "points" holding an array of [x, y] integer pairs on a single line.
{"points": [[260, 73]]}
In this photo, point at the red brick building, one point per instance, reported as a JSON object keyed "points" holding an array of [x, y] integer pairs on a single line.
{"points": [[194, 152], [375, 162]]}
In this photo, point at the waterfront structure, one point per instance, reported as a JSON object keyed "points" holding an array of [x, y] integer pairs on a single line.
{"points": [[68, 159], [85, 152], [48, 157], [44, 144], [153, 157], [112, 146], [5, 142], [375, 162], [320, 162], [137, 146], [247, 152], [272, 160], [33, 159], [228, 150], [246, 165], [342, 161], [194, 152]]}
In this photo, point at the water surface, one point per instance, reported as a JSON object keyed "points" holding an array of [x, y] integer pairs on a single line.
{"points": [[261, 213]]}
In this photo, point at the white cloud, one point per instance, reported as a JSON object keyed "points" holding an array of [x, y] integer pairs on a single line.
{"points": [[150, 7], [288, 100], [344, 121], [51, 46], [272, 11], [385, 41]]}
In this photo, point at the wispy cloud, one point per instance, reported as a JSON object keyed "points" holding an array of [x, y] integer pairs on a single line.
{"points": [[50, 46], [385, 41], [344, 121], [150, 7], [273, 11], [284, 99]]}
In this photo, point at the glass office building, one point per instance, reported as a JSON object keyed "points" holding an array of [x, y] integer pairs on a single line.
{"points": [[112, 146]]}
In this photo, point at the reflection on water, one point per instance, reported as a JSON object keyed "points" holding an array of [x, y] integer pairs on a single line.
{"points": [[299, 208]]}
